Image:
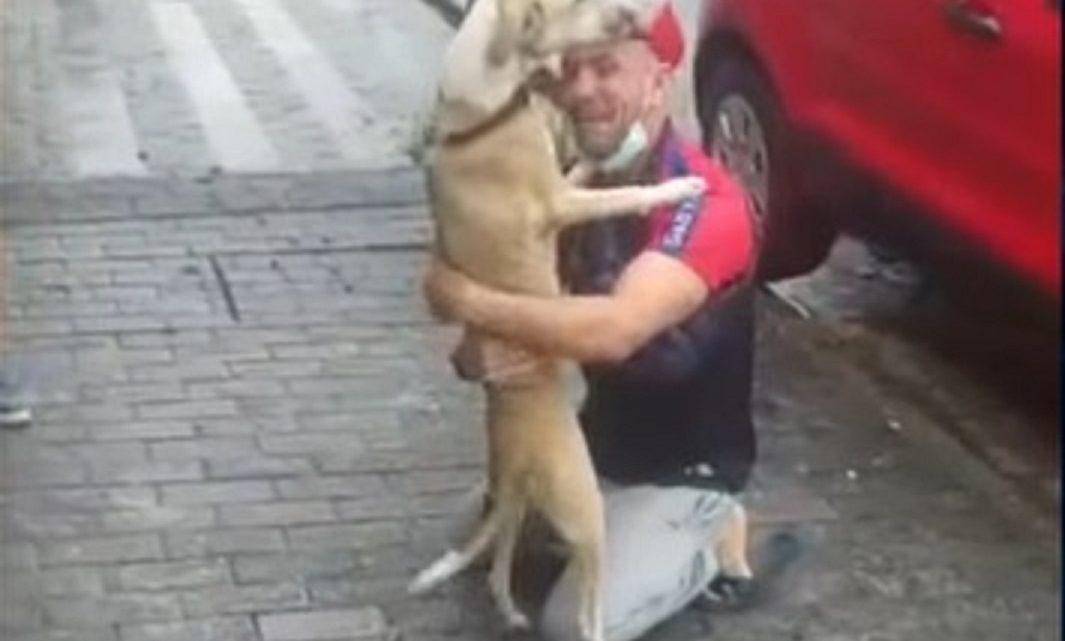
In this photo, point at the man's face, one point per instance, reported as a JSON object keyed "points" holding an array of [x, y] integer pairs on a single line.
{"points": [[606, 88]]}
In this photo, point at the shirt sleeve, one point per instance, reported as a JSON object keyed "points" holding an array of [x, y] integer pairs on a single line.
{"points": [[712, 234]]}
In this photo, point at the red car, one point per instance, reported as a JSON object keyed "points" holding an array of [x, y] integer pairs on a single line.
{"points": [[932, 124]]}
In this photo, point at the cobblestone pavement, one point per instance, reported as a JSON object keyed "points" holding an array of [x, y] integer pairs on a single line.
{"points": [[247, 431], [246, 428]]}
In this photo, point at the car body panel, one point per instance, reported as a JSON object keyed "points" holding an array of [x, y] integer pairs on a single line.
{"points": [[965, 125]]}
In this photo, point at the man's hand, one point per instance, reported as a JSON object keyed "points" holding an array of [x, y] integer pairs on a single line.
{"points": [[445, 290], [490, 360]]}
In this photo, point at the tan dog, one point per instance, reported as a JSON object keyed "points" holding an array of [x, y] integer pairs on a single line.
{"points": [[499, 200]]}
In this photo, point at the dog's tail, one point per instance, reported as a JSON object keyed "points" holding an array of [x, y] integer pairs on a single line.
{"points": [[455, 561]]}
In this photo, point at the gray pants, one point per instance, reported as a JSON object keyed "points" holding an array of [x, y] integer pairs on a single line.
{"points": [[659, 556]]}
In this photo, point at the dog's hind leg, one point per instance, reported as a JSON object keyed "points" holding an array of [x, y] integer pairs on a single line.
{"points": [[455, 561], [499, 579], [582, 525], [589, 560], [731, 548]]}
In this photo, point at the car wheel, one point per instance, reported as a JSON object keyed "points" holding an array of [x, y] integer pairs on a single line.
{"points": [[745, 131]]}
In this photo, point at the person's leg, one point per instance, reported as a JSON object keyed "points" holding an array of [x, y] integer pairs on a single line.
{"points": [[662, 551]]}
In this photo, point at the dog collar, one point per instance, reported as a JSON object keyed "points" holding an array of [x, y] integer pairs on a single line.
{"points": [[518, 101]]}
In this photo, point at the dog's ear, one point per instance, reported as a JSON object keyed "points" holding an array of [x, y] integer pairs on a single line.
{"points": [[504, 40], [520, 24], [533, 22]]}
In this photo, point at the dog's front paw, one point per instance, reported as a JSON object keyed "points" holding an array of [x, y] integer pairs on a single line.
{"points": [[679, 189]]}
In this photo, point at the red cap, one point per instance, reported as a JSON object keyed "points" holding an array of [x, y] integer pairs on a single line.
{"points": [[665, 36]]}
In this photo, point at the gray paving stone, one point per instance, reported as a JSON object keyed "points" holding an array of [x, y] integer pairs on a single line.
{"points": [[276, 513], [259, 467], [139, 473], [157, 517], [52, 467], [173, 575], [22, 616], [73, 581], [109, 324], [119, 452], [142, 430], [270, 369], [310, 442], [364, 623], [135, 392], [212, 601], [188, 409], [273, 568], [219, 541], [141, 547], [40, 523], [216, 492], [436, 481], [354, 536], [346, 593], [232, 426], [86, 499], [394, 505], [115, 608], [218, 629], [236, 389], [330, 486], [185, 370], [82, 634], [204, 448]]}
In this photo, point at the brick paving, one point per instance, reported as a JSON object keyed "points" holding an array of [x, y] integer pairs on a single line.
{"points": [[246, 429]]}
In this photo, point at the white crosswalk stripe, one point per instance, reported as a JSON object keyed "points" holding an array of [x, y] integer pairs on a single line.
{"points": [[338, 109], [102, 140], [242, 85], [232, 129], [100, 133]]}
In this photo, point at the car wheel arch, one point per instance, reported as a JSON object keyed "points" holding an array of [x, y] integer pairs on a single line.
{"points": [[813, 234], [720, 45]]}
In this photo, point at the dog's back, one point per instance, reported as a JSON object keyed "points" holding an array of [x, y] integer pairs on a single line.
{"points": [[490, 200]]}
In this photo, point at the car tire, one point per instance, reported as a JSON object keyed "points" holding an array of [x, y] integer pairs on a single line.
{"points": [[795, 236]]}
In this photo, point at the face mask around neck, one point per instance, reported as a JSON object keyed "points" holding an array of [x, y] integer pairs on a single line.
{"points": [[630, 149]]}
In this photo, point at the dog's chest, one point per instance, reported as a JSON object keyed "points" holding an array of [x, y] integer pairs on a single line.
{"points": [[491, 202]]}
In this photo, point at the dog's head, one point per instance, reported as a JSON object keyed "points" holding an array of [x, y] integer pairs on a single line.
{"points": [[533, 31]]}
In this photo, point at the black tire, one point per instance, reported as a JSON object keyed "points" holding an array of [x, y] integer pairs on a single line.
{"points": [[795, 236]]}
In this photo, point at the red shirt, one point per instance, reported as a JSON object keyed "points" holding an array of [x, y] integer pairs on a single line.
{"points": [[712, 234], [682, 401]]}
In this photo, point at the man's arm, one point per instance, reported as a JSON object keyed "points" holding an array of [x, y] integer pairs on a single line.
{"points": [[653, 293]]}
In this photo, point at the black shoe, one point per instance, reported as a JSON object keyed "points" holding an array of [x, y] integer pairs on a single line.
{"points": [[735, 593], [728, 593]]}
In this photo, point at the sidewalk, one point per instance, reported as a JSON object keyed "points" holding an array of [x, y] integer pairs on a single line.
{"points": [[250, 432]]}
